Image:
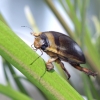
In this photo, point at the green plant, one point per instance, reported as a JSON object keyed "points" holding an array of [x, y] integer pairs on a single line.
{"points": [[76, 10], [15, 51]]}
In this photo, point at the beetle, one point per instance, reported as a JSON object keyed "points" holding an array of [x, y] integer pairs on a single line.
{"points": [[61, 47]]}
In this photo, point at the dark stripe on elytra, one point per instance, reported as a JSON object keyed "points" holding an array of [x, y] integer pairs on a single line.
{"points": [[56, 39]]}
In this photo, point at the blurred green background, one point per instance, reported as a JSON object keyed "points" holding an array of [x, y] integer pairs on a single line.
{"points": [[80, 19]]}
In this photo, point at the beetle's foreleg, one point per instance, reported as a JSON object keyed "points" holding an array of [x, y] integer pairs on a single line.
{"points": [[85, 70], [49, 64], [62, 66]]}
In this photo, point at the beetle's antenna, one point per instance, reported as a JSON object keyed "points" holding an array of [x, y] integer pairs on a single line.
{"points": [[27, 27], [37, 57], [30, 29]]}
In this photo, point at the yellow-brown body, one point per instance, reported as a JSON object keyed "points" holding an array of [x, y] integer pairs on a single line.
{"points": [[61, 47]]}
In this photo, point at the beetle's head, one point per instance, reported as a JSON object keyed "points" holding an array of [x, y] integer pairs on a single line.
{"points": [[38, 42]]}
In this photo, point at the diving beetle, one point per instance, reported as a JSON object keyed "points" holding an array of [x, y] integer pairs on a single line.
{"points": [[61, 47]]}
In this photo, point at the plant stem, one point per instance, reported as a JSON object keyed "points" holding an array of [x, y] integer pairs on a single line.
{"points": [[15, 95], [57, 14], [16, 52]]}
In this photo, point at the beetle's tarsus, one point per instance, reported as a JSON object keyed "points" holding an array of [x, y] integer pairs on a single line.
{"points": [[90, 73], [49, 63], [68, 76], [85, 70], [49, 66]]}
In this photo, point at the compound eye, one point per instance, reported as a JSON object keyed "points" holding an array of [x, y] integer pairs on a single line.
{"points": [[44, 45]]}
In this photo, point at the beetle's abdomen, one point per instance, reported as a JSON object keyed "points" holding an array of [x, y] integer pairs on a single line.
{"points": [[65, 47], [70, 50]]}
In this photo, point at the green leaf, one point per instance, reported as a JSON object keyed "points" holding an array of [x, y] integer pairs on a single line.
{"points": [[17, 80], [16, 52], [87, 88], [8, 91]]}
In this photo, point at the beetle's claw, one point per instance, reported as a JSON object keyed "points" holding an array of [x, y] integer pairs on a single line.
{"points": [[92, 73], [68, 76]]}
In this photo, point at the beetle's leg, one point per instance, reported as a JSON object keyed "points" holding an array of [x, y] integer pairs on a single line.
{"points": [[62, 66], [49, 63], [33, 47], [85, 70]]}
